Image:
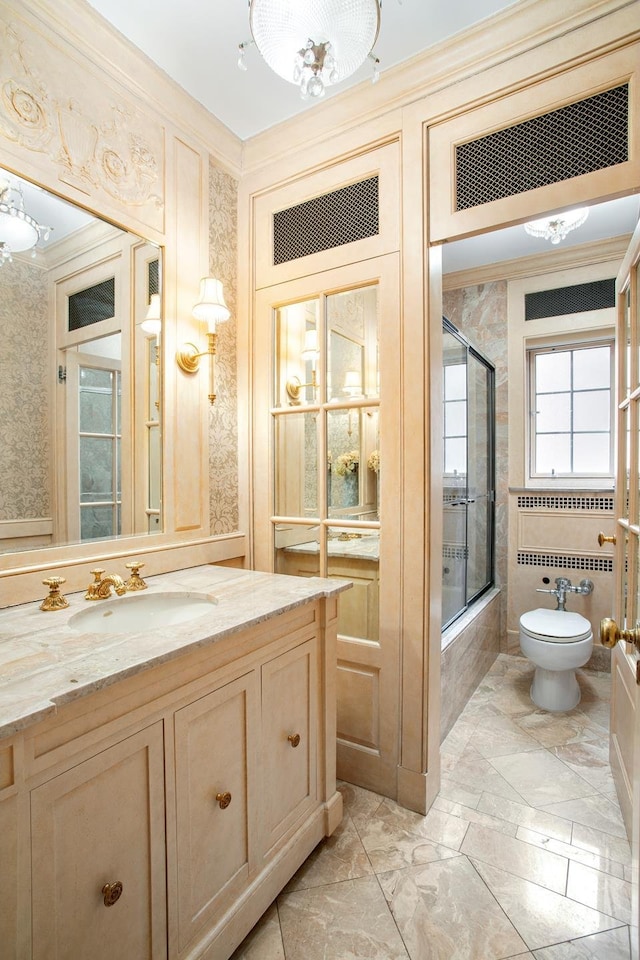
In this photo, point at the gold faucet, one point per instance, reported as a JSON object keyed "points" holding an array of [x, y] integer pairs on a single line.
{"points": [[100, 589]]}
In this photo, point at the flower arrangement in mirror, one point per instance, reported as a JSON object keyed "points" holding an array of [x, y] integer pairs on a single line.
{"points": [[373, 461], [347, 463]]}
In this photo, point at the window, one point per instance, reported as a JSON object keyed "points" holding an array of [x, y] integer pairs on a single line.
{"points": [[571, 410]]}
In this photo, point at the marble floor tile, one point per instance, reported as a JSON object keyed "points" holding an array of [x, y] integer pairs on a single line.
{"points": [[540, 778], [496, 736], [471, 815], [474, 772], [458, 737], [265, 940], [571, 852], [395, 837], [340, 921], [603, 844], [358, 803], [525, 816], [338, 857], [445, 912], [451, 790], [517, 857], [610, 945], [594, 811], [590, 760], [599, 890], [541, 916], [555, 730]]}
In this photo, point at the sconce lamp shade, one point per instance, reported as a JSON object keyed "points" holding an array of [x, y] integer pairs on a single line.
{"points": [[310, 350], [211, 306], [152, 324], [352, 383]]}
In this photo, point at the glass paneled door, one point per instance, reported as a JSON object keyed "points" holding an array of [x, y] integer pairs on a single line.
{"points": [[625, 622], [331, 443]]}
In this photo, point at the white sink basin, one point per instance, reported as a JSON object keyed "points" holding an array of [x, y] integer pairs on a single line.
{"points": [[147, 612]]}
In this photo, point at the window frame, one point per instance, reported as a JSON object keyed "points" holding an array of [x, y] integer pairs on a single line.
{"points": [[565, 345]]}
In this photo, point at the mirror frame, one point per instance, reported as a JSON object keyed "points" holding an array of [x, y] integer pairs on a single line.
{"points": [[166, 202]]}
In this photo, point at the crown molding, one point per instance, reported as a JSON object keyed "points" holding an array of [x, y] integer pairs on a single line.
{"points": [[583, 255], [79, 26]]}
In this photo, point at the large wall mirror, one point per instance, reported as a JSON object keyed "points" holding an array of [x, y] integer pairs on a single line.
{"points": [[80, 396]]}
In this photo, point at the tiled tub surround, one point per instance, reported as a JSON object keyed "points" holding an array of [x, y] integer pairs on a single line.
{"points": [[45, 664], [469, 647], [523, 854]]}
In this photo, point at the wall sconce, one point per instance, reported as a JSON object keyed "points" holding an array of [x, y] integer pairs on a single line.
{"points": [[353, 388], [152, 324], [211, 308], [309, 354]]}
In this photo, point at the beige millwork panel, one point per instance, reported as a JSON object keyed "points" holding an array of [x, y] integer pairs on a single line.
{"points": [[623, 723], [565, 87], [9, 833], [215, 766], [289, 741], [102, 823]]}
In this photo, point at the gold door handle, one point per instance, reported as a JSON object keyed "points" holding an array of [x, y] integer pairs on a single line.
{"points": [[111, 893], [610, 633], [224, 799], [602, 539], [294, 739]]}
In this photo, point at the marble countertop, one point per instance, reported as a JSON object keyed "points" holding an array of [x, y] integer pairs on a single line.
{"points": [[360, 548], [45, 663]]}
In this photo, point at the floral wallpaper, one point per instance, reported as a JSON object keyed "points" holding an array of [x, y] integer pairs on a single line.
{"points": [[223, 422], [480, 313], [24, 415]]}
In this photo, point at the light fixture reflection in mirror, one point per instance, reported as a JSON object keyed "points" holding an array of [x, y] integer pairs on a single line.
{"points": [[309, 354], [68, 471], [353, 388]]}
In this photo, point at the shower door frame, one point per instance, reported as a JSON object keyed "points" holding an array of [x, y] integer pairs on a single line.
{"points": [[449, 327]]}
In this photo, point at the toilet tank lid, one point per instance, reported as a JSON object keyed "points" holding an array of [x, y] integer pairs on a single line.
{"points": [[555, 623]]}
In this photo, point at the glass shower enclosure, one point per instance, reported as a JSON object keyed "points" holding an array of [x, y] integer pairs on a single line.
{"points": [[468, 475]]}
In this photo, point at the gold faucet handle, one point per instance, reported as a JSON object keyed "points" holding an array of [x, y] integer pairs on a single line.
{"points": [[135, 581], [55, 600], [92, 589]]}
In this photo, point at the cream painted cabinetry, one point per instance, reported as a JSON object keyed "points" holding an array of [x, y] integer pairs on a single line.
{"points": [[187, 794], [98, 856]]}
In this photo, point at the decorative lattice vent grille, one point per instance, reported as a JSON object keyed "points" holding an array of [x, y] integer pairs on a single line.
{"points": [[153, 277], [554, 502], [343, 216], [452, 551], [580, 138], [92, 305], [579, 298], [596, 564]]}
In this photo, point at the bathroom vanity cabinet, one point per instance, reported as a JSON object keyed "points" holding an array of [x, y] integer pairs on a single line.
{"points": [[157, 817]]}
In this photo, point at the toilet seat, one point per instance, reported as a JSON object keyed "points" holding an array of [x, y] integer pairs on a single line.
{"points": [[555, 626]]}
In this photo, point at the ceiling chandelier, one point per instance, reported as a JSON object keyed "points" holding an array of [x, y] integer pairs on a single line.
{"points": [[314, 43], [557, 227], [18, 230]]}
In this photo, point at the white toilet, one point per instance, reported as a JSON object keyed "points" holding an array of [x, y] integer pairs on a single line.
{"points": [[557, 642]]}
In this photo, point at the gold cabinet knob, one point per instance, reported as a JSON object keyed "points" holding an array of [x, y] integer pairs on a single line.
{"points": [[55, 600], [111, 893], [294, 739], [224, 799], [610, 633], [602, 539]]}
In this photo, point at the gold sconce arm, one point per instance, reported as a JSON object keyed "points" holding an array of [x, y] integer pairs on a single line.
{"points": [[293, 387], [188, 359]]}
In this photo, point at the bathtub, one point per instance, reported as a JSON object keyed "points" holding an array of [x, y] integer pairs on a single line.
{"points": [[469, 647]]}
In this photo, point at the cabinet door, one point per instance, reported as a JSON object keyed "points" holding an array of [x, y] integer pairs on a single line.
{"points": [[214, 743], [289, 733], [102, 823]]}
